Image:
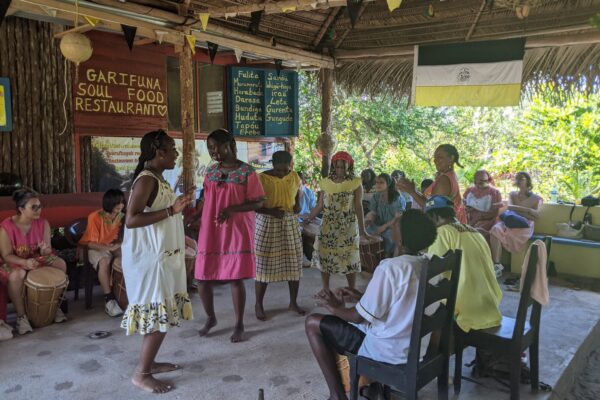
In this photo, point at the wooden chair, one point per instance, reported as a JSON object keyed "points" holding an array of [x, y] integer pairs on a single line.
{"points": [[73, 232], [512, 337], [416, 373]]}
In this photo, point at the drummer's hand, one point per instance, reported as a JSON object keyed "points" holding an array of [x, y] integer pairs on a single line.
{"points": [[326, 298], [405, 185], [349, 292], [367, 236], [381, 229], [45, 249], [31, 263]]}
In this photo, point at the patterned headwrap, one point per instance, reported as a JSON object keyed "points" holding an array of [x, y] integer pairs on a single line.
{"points": [[342, 155]]}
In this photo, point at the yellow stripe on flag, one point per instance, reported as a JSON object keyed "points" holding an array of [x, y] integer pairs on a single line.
{"points": [[191, 41], [203, 20], [2, 107], [393, 4], [476, 95]]}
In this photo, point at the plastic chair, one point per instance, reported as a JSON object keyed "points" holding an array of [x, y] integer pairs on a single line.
{"points": [[512, 337], [409, 378]]}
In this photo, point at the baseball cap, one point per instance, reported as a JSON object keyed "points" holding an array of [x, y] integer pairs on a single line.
{"points": [[436, 202]]}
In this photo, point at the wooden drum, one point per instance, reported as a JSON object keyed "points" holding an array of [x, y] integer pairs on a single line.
{"points": [[371, 253], [309, 234], [44, 290], [118, 283]]}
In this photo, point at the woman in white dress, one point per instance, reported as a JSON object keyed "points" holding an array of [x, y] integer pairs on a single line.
{"points": [[153, 254]]}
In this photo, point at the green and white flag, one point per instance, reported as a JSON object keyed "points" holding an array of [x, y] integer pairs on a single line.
{"points": [[468, 74]]}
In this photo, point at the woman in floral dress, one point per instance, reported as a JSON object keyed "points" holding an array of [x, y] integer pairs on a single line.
{"points": [[337, 245]]}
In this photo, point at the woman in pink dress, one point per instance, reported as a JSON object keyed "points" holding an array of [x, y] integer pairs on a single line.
{"points": [[232, 192], [25, 246], [482, 202], [525, 203], [445, 183]]}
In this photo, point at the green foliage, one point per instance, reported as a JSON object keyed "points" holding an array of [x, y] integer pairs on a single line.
{"points": [[559, 145]]}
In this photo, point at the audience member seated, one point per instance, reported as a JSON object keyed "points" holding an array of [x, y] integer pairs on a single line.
{"points": [[308, 199], [102, 239], [479, 295], [25, 245], [425, 183], [385, 209], [516, 225], [408, 200], [379, 326], [368, 183], [482, 201]]}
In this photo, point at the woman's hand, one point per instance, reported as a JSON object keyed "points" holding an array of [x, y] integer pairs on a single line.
{"points": [[350, 293], [223, 215], [326, 298], [31, 263], [365, 235], [44, 248], [182, 202], [405, 185], [382, 229]]}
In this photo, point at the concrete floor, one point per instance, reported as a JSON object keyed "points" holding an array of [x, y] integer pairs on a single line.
{"points": [[61, 362]]}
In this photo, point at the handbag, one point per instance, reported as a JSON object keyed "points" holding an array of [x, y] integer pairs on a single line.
{"points": [[572, 230], [513, 220]]}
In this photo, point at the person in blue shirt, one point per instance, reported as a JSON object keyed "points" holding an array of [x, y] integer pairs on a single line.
{"points": [[308, 200]]}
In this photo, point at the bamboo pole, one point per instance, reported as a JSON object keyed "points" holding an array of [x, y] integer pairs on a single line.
{"points": [[187, 115], [477, 17], [330, 18], [326, 100], [277, 7]]}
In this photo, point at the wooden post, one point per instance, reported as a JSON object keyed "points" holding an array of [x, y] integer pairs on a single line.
{"points": [[187, 116], [326, 96]]}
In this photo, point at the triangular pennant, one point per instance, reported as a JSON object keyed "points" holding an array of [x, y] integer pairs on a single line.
{"points": [[191, 41], [160, 36], [238, 55], [129, 32], [288, 9], [91, 20], [203, 20], [353, 7], [3, 9], [212, 50], [278, 65], [227, 15], [255, 18], [273, 41], [393, 4]]}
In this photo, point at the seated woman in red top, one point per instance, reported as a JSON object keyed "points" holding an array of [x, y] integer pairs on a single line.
{"points": [[102, 239], [25, 245]]}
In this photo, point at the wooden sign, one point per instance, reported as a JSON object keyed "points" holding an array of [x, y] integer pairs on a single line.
{"points": [[5, 106], [263, 102]]}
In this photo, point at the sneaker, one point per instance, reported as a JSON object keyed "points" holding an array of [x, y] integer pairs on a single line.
{"points": [[305, 262], [23, 325], [5, 331], [498, 268], [59, 316], [112, 308]]}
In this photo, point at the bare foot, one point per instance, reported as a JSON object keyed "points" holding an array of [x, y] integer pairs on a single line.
{"points": [[295, 308], [260, 312], [158, 368], [150, 384], [238, 334], [211, 322]]}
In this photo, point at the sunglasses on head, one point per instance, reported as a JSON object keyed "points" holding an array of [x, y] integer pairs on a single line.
{"points": [[36, 207]]}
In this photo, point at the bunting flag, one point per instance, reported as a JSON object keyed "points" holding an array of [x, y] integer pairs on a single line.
{"points": [[238, 55], [273, 41], [129, 32], [91, 20], [353, 8], [468, 74], [288, 9], [203, 17], [278, 66], [191, 41], [3, 9], [160, 35], [255, 18], [393, 4], [212, 50]]}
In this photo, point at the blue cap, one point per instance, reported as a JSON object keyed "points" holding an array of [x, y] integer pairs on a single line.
{"points": [[436, 202]]}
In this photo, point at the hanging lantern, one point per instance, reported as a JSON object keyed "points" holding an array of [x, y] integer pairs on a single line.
{"points": [[326, 143], [76, 47]]}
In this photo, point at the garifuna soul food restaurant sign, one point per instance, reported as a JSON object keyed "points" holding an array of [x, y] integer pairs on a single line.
{"points": [[118, 91]]}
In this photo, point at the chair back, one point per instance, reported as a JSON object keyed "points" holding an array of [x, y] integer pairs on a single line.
{"points": [[434, 286], [75, 230]]}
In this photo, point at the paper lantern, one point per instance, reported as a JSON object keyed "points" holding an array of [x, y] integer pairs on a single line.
{"points": [[326, 143], [76, 47]]}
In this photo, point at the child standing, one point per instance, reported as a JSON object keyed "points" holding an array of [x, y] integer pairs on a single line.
{"points": [[337, 246], [232, 192], [278, 240]]}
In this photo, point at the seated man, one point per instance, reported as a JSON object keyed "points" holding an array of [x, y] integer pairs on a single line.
{"points": [[379, 326], [478, 297]]}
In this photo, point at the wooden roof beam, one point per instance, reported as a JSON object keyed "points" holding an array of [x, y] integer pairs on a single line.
{"points": [[338, 43], [330, 18], [276, 7]]}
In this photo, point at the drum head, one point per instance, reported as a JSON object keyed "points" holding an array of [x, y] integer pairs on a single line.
{"points": [[46, 277], [312, 229], [117, 264]]}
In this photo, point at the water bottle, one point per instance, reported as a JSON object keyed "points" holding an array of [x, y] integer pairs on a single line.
{"points": [[554, 195]]}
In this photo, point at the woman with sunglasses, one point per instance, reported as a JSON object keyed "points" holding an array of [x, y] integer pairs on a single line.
{"points": [[232, 192], [483, 202], [25, 246]]}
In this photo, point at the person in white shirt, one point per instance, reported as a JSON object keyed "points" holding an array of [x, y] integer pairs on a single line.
{"points": [[379, 326]]}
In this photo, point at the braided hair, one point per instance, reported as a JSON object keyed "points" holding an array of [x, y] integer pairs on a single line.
{"points": [[223, 136], [451, 151], [149, 145]]}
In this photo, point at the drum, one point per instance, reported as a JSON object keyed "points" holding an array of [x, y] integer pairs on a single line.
{"points": [[118, 283], [371, 253], [44, 290], [309, 233]]}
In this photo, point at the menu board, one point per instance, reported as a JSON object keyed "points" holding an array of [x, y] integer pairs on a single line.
{"points": [[263, 102]]}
